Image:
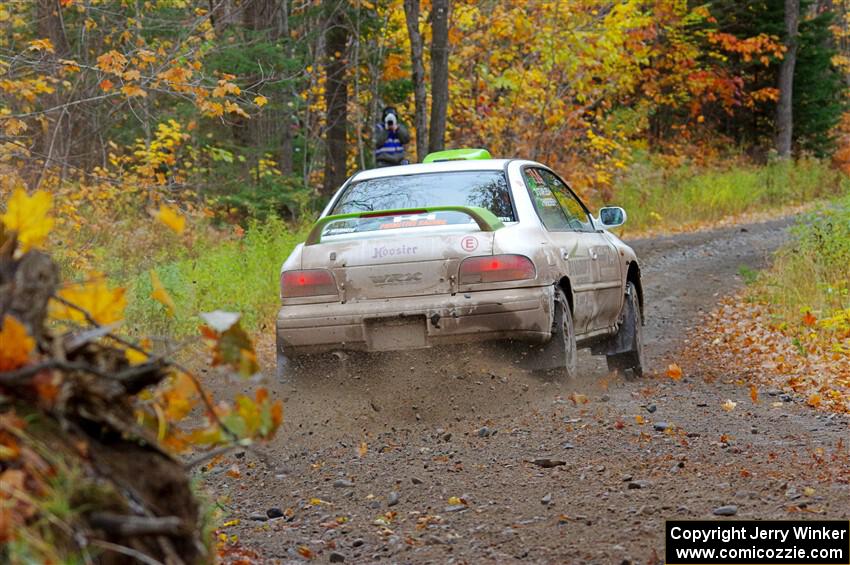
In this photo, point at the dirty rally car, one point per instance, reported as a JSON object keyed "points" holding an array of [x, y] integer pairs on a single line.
{"points": [[463, 248]]}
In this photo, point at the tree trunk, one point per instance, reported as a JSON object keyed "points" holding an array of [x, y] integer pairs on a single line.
{"points": [[439, 74], [785, 110], [336, 99], [420, 96], [55, 144]]}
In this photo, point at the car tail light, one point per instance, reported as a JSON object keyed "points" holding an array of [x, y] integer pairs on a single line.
{"points": [[311, 282], [496, 268]]}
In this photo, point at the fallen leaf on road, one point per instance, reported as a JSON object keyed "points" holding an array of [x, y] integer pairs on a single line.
{"points": [[362, 449], [729, 405], [578, 398], [305, 552], [809, 319], [674, 371], [754, 394], [639, 419], [814, 400]]}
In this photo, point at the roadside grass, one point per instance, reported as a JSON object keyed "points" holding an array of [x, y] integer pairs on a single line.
{"points": [[658, 198], [235, 275], [790, 329], [811, 274]]}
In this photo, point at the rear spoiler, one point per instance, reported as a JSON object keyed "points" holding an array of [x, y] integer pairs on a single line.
{"points": [[486, 220]]}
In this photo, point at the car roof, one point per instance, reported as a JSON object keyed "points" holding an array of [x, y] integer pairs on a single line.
{"points": [[438, 167]]}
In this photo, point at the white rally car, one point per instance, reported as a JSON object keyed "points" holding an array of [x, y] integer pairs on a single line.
{"points": [[463, 248]]}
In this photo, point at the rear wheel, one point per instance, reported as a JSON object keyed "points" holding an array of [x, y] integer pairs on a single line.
{"points": [[628, 343], [559, 356]]}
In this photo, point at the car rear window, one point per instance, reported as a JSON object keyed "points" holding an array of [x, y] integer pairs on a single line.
{"points": [[484, 189]]}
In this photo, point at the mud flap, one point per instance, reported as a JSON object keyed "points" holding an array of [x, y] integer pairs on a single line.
{"points": [[623, 341], [547, 356], [283, 368]]}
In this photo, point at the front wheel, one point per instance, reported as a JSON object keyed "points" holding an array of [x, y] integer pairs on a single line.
{"points": [[628, 350]]}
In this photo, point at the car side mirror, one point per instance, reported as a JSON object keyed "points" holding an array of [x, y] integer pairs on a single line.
{"points": [[612, 217]]}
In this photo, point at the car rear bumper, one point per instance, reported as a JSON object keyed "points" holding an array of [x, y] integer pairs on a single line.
{"points": [[415, 322]]}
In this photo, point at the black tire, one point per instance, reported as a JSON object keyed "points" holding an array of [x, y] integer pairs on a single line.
{"points": [[559, 356], [628, 343]]}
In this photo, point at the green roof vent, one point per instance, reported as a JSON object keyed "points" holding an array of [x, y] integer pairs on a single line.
{"points": [[457, 155]]}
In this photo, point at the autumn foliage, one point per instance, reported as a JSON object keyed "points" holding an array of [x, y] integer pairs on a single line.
{"points": [[80, 402]]}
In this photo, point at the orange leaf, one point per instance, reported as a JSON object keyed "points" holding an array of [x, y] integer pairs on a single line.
{"points": [[814, 400], [17, 344], [111, 62], [133, 90], [305, 552], [754, 394], [106, 85], [809, 319], [674, 371], [160, 294]]}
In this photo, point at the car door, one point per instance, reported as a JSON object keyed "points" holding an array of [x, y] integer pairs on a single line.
{"points": [[592, 262]]}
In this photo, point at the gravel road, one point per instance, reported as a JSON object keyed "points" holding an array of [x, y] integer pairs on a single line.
{"points": [[447, 457]]}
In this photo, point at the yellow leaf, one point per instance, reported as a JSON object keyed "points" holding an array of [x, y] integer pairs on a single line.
{"points": [[132, 74], [171, 218], [455, 500], [160, 294], [17, 344], [14, 126], [133, 90], [729, 405], [639, 419], [232, 108], [105, 305], [261, 101], [41, 45], [814, 400], [29, 217], [578, 398], [362, 449], [136, 357]]}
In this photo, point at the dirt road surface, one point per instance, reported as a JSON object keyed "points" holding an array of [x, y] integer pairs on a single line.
{"points": [[435, 457]]}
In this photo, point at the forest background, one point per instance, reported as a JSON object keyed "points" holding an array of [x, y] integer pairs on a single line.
{"points": [[243, 116], [170, 153]]}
